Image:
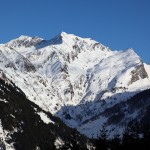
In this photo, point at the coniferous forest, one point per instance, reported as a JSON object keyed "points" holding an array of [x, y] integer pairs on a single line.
{"points": [[134, 137]]}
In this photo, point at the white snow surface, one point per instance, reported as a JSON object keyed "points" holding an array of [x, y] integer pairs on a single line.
{"points": [[59, 143], [70, 76], [45, 118]]}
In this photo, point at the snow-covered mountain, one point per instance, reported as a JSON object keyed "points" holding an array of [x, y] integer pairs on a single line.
{"points": [[74, 78]]}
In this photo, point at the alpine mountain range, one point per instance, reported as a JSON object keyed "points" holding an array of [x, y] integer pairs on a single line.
{"points": [[78, 80]]}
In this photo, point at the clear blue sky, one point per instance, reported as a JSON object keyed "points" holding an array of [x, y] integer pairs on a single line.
{"points": [[118, 24]]}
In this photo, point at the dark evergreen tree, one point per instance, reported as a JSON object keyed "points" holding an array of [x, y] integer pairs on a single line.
{"points": [[146, 137], [115, 142], [102, 142], [130, 139], [125, 138]]}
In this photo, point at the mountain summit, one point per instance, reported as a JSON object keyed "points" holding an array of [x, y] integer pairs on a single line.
{"points": [[24, 41], [75, 78]]}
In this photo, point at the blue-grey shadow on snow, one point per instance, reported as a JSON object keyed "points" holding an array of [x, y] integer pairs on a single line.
{"points": [[135, 108], [55, 41]]}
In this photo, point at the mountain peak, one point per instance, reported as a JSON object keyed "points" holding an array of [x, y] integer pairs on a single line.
{"points": [[24, 37], [132, 52], [130, 49], [63, 33], [25, 41]]}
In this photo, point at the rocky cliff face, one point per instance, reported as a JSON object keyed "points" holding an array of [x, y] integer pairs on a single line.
{"points": [[72, 77], [138, 73]]}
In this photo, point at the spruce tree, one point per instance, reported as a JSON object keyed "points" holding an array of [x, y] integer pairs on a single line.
{"points": [[115, 142], [102, 142]]}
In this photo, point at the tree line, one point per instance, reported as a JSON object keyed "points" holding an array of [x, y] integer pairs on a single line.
{"points": [[134, 137]]}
